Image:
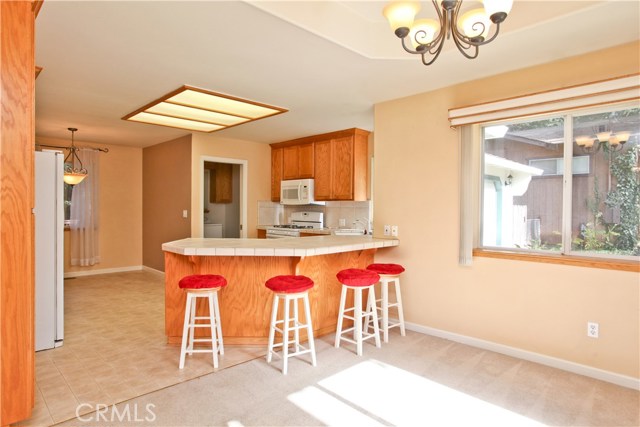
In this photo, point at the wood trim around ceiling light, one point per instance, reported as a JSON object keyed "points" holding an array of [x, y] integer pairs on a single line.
{"points": [[183, 88]]}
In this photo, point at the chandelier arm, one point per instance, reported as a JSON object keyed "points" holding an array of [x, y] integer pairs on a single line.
{"points": [[463, 48], [435, 52], [404, 46]]}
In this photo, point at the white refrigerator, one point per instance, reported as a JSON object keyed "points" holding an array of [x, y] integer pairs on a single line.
{"points": [[49, 252]]}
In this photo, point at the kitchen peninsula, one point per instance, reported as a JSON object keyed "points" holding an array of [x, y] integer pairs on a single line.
{"points": [[245, 304]]}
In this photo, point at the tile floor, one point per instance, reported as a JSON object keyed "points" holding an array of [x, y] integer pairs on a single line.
{"points": [[114, 348]]}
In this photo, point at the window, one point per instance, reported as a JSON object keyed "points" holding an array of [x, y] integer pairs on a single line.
{"points": [[529, 203], [555, 166]]}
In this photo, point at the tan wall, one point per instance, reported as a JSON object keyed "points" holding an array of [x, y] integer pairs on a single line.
{"points": [[258, 157], [120, 207], [537, 307], [166, 187]]}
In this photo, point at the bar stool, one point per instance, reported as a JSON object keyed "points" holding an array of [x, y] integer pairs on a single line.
{"points": [[389, 273], [357, 280], [290, 289], [202, 286]]}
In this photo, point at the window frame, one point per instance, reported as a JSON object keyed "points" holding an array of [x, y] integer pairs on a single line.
{"points": [[566, 255]]}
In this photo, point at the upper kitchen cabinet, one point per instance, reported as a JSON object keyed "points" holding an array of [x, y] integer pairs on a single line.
{"points": [[276, 173], [220, 183], [297, 161], [342, 166], [338, 162]]}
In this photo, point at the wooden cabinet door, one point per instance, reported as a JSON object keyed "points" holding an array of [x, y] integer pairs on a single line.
{"points": [[276, 173], [290, 169], [322, 161], [224, 178], [305, 161], [342, 168]]}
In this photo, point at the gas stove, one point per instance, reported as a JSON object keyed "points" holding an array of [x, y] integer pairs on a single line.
{"points": [[299, 221]]}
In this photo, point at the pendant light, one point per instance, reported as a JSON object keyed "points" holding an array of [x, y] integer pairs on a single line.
{"points": [[73, 175]]}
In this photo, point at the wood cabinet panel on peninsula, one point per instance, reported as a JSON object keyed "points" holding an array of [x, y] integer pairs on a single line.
{"points": [[339, 164]]}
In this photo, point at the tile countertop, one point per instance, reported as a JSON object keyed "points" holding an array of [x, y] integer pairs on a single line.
{"points": [[290, 246]]}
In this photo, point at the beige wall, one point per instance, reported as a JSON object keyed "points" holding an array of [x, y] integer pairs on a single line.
{"points": [[258, 157], [166, 194], [120, 207], [537, 307]]}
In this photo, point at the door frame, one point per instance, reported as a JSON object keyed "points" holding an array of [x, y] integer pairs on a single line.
{"points": [[198, 215]]}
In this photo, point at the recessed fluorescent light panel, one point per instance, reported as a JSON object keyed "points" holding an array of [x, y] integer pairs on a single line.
{"points": [[201, 110]]}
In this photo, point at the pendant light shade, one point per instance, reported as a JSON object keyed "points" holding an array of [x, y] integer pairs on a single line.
{"points": [[73, 175]]}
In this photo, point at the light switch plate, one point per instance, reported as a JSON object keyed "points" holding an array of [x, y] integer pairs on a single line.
{"points": [[394, 230], [185, 214]]}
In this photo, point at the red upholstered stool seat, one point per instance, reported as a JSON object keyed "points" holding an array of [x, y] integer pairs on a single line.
{"points": [[202, 281], [388, 269], [289, 284], [357, 277]]}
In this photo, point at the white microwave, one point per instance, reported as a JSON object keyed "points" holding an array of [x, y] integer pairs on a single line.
{"points": [[296, 192]]}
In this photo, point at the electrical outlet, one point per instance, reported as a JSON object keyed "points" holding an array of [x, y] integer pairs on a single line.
{"points": [[387, 230], [342, 222], [593, 329], [185, 214], [394, 230]]}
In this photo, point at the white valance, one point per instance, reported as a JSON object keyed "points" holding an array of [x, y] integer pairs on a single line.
{"points": [[620, 89]]}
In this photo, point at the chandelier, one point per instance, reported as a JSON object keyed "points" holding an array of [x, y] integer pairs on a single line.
{"points": [[425, 37], [605, 139], [73, 175]]}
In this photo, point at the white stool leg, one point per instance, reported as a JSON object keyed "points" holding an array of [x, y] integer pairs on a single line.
{"points": [[285, 337], [371, 307], [218, 323], [400, 311], [272, 328], [357, 319], [307, 314], [192, 321], [384, 289], [343, 298], [212, 325], [185, 330], [296, 322]]}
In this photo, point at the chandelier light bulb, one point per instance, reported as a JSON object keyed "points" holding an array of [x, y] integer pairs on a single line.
{"points": [[475, 24], [584, 141], [497, 10], [401, 15], [603, 136], [623, 136], [423, 32]]}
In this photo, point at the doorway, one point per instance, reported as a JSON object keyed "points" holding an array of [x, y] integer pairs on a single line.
{"points": [[223, 202]]}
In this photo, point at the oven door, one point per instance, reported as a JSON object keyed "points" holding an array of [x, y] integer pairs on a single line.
{"points": [[280, 234]]}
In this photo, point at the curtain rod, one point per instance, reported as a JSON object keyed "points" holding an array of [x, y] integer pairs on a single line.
{"points": [[104, 150]]}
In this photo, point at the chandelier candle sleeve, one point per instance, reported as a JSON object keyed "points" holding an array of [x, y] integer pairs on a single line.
{"points": [[425, 37]]}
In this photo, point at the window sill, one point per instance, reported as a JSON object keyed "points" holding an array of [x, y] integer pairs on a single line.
{"points": [[609, 264]]}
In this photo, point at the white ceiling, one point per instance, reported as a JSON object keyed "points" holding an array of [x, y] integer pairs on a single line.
{"points": [[327, 62]]}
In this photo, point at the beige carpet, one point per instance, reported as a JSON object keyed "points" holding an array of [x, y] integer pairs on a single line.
{"points": [[415, 380]]}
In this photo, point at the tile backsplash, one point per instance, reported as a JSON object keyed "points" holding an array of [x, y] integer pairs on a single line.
{"points": [[270, 213]]}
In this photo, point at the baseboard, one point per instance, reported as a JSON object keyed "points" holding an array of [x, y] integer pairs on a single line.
{"points": [[576, 368], [153, 270], [102, 271]]}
